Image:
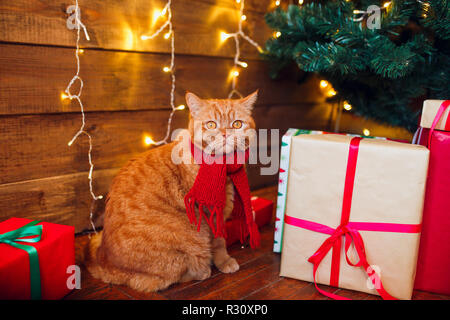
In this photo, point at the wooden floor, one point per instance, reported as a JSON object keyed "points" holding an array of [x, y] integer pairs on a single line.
{"points": [[258, 278]]}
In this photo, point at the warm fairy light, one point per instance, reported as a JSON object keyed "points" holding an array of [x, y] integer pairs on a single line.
{"points": [[224, 36], [81, 50], [300, 2], [181, 107], [277, 3], [331, 93], [157, 13], [323, 83], [386, 4], [347, 106], [277, 34], [64, 96], [238, 1], [170, 34], [366, 132], [234, 73], [148, 140]]}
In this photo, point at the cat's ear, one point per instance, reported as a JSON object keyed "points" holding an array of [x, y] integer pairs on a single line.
{"points": [[194, 103], [249, 101]]}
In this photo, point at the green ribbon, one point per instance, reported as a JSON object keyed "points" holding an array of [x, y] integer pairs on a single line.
{"points": [[14, 236]]}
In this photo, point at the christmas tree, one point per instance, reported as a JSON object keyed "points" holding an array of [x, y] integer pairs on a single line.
{"points": [[378, 59]]}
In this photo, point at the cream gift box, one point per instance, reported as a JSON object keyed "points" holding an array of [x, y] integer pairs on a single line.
{"points": [[429, 111], [388, 190]]}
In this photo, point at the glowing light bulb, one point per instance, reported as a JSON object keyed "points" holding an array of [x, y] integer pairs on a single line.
{"points": [[347, 106], [366, 132], [166, 69], [100, 197], [277, 34], [234, 73], [323, 83], [300, 2], [331, 93], [156, 14], [80, 51], [386, 4], [144, 37], [224, 36], [167, 35], [180, 107], [64, 96], [277, 3], [148, 140], [243, 64], [238, 1], [243, 17]]}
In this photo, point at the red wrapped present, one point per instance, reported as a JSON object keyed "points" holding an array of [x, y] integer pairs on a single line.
{"points": [[34, 259], [433, 266], [262, 211]]}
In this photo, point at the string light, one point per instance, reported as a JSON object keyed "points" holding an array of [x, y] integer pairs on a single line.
{"points": [[277, 34], [181, 107], [347, 106], [300, 2], [323, 83], [331, 93], [240, 33], [386, 4], [148, 140], [277, 3], [366, 132], [169, 35], [77, 97]]}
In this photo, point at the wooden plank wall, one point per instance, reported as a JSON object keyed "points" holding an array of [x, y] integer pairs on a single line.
{"points": [[125, 94]]}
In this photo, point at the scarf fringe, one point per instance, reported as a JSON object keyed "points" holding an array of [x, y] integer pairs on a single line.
{"points": [[215, 211]]}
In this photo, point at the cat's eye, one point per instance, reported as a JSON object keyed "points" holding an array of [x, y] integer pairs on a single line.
{"points": [[237, 124], [211, 125]]}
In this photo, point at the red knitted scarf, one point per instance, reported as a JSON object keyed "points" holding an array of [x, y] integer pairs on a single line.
{"points": [[209, 191]]}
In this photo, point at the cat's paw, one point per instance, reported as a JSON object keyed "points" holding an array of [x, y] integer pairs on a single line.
{"points": [[229, 266]]}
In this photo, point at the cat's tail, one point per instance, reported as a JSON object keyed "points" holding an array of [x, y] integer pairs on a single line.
{"points": [[101, 269], [97, 265], [90, 255]]}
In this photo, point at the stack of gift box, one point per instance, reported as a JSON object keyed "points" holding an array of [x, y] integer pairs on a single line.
{"points": [[367, 214]]}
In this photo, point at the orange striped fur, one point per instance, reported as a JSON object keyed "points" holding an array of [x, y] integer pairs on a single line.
{"points": [[147, 241]]}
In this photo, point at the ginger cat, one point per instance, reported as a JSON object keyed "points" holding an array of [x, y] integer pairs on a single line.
{"points": [[147, 241]]}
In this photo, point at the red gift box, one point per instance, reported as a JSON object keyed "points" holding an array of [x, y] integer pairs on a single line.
{"points": [[56, 252], [433, 266], [262, 209]]}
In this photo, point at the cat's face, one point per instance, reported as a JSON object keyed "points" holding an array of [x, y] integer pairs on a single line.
{"points": [[221, 126]]}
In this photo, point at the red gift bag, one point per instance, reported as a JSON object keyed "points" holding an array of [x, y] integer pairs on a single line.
{"points": [[54, 250], [433, 266]]}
